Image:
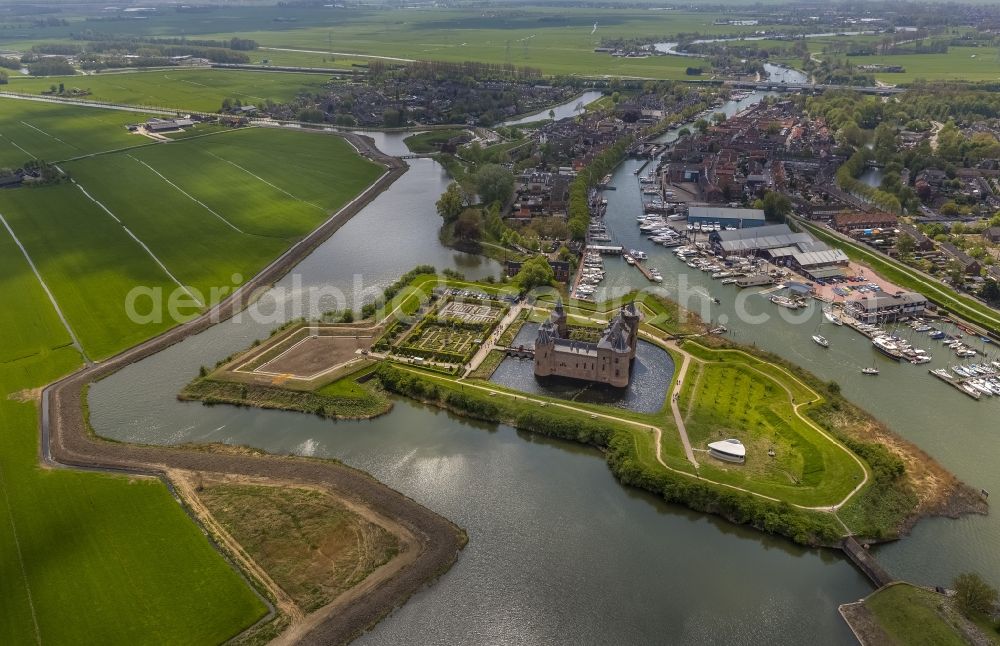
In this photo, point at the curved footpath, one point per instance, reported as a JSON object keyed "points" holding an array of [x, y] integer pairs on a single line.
{"points": [[67, 440]]}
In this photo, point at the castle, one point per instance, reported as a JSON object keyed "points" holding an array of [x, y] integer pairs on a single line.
{"points": [[609, 361]]}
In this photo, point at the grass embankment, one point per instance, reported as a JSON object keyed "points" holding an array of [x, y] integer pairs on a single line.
{"points": [[112, 558], [430, 142], [941, 295], [344, 398], [913, 616], [628, 449], [224, 207], [313, 547], [181, 89]]}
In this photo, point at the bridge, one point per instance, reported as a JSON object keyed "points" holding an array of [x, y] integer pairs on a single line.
{"points": [[521, 351], [813, 87]]}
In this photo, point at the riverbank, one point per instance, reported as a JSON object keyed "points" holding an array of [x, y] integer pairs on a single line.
{"points": [[66, 441], [901, 613]]}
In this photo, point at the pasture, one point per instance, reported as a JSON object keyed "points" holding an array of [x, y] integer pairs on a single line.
{"points": [[959, 63], [53, 132], [111, 558], [225, 205], [181, 88]]}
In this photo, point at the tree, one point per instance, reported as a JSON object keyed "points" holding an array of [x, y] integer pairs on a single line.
{"points": [[451, 203], [701, 125], [616, 97], [991, 293], [719, 117], [535, 272], [973, 594], [776, 206], [905, 244], [469, 225], [494, 183]]}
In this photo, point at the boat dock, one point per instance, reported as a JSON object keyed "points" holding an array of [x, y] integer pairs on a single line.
{"points": [[956, 383], [607, 250], [643, 270]]}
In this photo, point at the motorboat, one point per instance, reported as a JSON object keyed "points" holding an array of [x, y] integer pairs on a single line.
{"points": [[869, 371], [731, 450], [821, 340]]}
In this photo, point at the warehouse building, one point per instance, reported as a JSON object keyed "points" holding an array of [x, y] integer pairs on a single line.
{"points": [[726, 217]]}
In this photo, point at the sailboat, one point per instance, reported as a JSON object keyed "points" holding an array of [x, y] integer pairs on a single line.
{"points": [[830, 316], [819, 338], [870, 371]]}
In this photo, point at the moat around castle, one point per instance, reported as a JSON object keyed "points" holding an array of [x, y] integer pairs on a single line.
{"points": [[652, 370]]}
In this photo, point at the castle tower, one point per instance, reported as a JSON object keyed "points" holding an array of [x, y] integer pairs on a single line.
{"points": [[559, 319], [630, 313]]}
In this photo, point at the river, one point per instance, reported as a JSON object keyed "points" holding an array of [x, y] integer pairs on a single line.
{"points": [[559, 552], [571, 108]]}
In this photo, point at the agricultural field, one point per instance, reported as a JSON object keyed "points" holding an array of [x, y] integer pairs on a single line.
{"points": [[30, 323], [89, 263], [181, 89], [54, 132], [959, 63], [226, 204], [112, 558], [555, 40]]}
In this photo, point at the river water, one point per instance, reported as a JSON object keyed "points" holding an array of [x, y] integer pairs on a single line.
{"points": [[571, 108], [559, 552]]}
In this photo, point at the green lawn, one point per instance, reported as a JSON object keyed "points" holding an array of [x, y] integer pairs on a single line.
{"points": [[181, 89], [733, 395], [99, 558], [911, 616]]}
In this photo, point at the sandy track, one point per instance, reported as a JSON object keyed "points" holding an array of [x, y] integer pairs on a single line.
{"points": [[435, 541]]}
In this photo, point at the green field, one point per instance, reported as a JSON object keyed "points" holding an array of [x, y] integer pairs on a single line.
{"points": [[104, 559], [734, 395], [960, 63], [181, 89], [225, 205], [30, 323], [558, 40], [53, 132], [911, 616]]}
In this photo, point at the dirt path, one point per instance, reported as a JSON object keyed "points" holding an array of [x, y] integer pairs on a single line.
{"points": [[675, 407]]}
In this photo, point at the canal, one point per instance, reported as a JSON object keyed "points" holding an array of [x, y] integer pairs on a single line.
{"points": [[559, 552]]}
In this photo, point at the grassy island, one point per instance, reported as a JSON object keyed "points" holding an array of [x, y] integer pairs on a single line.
{"points": [[818, 468]]}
